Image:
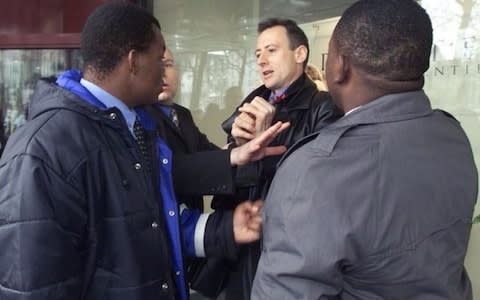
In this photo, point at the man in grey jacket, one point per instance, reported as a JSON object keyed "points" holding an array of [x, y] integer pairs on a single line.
{"points": [[379, 204]]}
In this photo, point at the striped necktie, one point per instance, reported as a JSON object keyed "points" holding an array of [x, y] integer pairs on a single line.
{"points": [[140, 135]]}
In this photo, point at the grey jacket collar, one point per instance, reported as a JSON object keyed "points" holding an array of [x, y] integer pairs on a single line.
{"points": [[389, 108]]}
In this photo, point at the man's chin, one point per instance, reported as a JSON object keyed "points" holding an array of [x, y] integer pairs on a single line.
{"points": [[163, 97], [267, 84], [271, 84]]}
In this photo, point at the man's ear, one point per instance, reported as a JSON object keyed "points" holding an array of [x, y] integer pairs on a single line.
{"points": [[341, 69], [301, 54], [132, 59]]}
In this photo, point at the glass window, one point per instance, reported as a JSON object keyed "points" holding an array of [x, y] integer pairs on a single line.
{"points": [[453, 84], [19, 72], [213, 42]]}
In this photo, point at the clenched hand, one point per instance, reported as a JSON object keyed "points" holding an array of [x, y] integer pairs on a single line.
{"points": [[247, 222], [254, 118]]}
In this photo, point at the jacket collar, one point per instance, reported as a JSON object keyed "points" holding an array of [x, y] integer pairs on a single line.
{"points": [[49, 96], [163, 123], [70, 81], [297, 95], [389, 108]]}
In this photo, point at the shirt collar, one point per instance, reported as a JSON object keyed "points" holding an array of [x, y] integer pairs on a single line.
{"points": [[352, 110], [277, 93], [111, 101], [166, 109]]}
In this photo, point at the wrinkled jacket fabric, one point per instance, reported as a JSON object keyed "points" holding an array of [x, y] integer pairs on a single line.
{"points": [[80, 218], [308, 110], [377, 206]]}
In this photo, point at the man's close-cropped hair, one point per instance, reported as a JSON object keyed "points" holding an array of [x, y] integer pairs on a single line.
{"points": [[112, 31], [391, 39], [296, 36]]}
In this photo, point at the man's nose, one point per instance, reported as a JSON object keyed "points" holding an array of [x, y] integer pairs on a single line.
{"points": [[261, 59]]}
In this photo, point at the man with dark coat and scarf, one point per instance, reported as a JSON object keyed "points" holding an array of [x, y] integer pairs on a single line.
{"points": [[287, 94]]}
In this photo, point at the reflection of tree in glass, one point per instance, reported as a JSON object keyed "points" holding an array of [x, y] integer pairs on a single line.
{"points": [[207, 73], [233, 97], [19, 73], [467, 6]]}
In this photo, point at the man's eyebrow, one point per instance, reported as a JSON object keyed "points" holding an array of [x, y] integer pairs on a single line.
{"points": [[265, 47]]}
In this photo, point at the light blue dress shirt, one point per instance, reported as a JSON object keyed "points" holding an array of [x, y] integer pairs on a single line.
{"points": [[111, 101]]}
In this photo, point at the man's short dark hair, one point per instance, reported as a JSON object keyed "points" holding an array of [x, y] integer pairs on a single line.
{"points": [[296, 36], [113, 30], [387, 38]]}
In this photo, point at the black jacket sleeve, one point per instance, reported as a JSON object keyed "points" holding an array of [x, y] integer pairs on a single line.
{"points": [[41, 228], [204, 173], [219, 239]]}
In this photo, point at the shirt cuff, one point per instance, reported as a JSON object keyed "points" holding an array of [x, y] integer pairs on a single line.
{"points": [[200, 234]]}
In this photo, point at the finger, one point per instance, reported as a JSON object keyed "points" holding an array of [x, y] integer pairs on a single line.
{"points": [[255, 224], [284, 126], [273, 131], [277, 150], [258, 204], [261, 104], [269, 139], [260, 99], [264, 104], [256, 112], [238, 132], [259, 108], [245, 118], [245, 206], [240, 141], [240, 215], [267, 135], [256, 207], [245, 122], [257, 219]]}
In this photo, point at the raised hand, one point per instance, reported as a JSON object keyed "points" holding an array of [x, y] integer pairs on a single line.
{"points": [[257, 149]]}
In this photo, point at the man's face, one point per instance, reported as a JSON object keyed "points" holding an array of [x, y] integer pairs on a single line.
{"points": [[150, 70], [170, 79], [278, 65]]}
